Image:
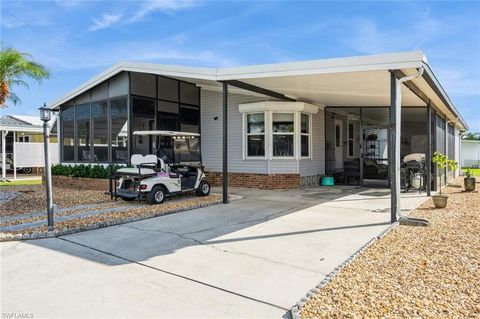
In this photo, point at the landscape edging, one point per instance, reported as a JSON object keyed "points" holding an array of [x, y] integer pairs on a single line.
{"points": [[62, 232], [295, 310]]}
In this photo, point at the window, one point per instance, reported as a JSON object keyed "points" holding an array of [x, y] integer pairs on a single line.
{"points": [[304, 135], [337, 135], [350, 139], [189, 93], [100, 131], [255, 135], [143, 113], [68, 124], [118, 129], [283, 135], [167, 89], [189, 119], [24, 139], [82, 118]]}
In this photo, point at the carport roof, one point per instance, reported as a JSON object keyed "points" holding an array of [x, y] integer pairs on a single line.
{"points": [[340, 82]]}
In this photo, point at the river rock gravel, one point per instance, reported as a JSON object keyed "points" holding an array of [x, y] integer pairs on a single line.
{"points": [[413, 272]]}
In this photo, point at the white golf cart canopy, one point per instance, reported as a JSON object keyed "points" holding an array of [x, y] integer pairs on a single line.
{"points": [[165, 133]]}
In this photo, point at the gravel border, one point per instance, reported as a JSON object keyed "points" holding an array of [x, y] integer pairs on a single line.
{"points": [[295, 310], [67, 231]]}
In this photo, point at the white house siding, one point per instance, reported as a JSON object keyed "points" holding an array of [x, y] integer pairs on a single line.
{"points": [[457, 150], [211, 131], [316, 165], [470, 156]]}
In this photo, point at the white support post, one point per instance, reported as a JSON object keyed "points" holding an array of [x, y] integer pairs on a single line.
{"points": [[4, 156], [14, 156], [395, 129]]}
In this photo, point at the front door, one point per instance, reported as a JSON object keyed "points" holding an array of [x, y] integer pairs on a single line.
{"points": [[338, 144]]}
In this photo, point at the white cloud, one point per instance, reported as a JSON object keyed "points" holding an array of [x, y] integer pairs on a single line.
{"points": [[105, 21], [68, 3], [160, 5]]}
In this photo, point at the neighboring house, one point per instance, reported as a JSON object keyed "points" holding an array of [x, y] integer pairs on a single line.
{"points": [[470, 153], [288, 123], [21, 144]]}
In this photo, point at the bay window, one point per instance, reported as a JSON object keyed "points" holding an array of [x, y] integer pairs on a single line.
{"points": [[283, 134], [277, 130], [255, 135]]}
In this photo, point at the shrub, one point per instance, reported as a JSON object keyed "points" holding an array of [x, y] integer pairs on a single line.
{"points": [[82, 170]]}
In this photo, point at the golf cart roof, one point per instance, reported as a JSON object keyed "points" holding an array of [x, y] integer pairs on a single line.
{"points": [[164, 133]]}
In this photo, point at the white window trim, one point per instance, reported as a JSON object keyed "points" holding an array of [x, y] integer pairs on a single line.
{"points": [[295, 129], [270, 107], [245, 135], [309, 134], [21, 138]]}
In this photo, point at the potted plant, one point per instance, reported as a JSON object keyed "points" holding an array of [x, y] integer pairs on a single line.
{"points": [[442, 161], [469, 181]]}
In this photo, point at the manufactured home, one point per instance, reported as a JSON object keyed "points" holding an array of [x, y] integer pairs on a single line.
{"points": [[21, 144], [278, 125]]}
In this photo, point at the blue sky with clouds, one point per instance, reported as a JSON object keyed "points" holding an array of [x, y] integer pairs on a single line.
{"points": [[78, 39]]}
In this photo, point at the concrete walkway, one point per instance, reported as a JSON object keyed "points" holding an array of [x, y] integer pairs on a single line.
{"points": [[253, 258]]}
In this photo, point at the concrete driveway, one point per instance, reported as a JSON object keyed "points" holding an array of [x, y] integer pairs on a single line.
{"points": [[252, 258]]}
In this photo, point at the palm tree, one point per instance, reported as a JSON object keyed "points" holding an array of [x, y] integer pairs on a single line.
{"points": [[15, 66]]}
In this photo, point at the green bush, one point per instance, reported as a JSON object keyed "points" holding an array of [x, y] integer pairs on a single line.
{"points": [[82, 170]]}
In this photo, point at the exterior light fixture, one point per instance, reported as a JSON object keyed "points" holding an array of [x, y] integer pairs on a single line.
{"points": [[45, 113]]}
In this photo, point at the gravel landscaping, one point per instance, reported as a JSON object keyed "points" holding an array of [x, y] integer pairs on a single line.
{"points": [[412, 272], [33, 199], [24, 216]]}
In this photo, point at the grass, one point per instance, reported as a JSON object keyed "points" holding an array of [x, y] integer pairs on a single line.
{"points": [[475, 171], [22, 182]]}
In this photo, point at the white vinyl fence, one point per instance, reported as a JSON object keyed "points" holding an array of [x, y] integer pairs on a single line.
{"points": [[31, 154]]}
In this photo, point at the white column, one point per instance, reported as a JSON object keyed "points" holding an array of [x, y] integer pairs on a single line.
{"points": [[395, 131], [4, 156], [14, 156]]}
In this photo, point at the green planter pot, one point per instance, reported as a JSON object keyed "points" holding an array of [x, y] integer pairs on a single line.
{"points": [[440, 201], [469, 183]]}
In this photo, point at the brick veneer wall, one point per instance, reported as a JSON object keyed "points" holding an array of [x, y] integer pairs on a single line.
{"points": [[250, 180], [79, 183]]}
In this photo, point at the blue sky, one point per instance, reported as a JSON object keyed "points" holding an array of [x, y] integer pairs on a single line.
{"points": [[78, 39]]}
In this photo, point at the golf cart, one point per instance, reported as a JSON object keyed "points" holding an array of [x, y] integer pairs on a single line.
{"points": [[153, 177]]}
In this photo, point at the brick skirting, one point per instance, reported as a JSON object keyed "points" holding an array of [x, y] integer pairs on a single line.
{"points": [[79, 182], [250, 180]]}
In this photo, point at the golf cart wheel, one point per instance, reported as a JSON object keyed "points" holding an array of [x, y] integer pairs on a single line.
{"points": [[156, 195], [27, 170], [203, 189]]}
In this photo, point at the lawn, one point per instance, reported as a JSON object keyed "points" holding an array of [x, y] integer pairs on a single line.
{"points": [[413, 272], [22, 182], [475, 171]]}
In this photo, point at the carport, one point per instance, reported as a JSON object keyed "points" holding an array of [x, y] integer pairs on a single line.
{"points": [[395, 81]]}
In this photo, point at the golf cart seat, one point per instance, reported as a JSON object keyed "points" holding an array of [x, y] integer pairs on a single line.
{"points": [[143, 165]]}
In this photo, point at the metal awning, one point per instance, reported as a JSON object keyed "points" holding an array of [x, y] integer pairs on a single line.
{"points": [[341, 82]]}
